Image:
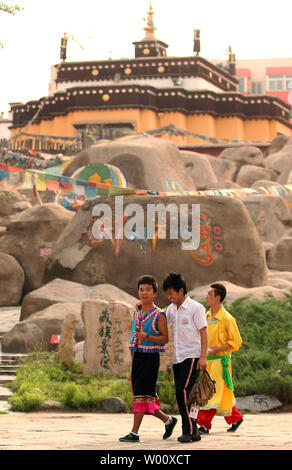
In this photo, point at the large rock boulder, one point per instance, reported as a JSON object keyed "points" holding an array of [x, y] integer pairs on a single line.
{"points": [[281, 161], [63, 291], [270, 214], [280, 256], [264, 183], [245, 155], [280, 277], [12, 203], [277, 144], [235, 292], [249, 174], [280, 283], [225, 170], [146, 162], [11, 281], [286, 173], [30, 237], [34, 334], [229, 246], [257, 403], [200, 169]]}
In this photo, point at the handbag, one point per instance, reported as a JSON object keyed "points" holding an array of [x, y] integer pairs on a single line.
{"points": [[202, 390]]}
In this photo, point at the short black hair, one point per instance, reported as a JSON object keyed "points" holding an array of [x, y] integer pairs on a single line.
{"points": [[220, 290], [175, 281], [150, 280]]}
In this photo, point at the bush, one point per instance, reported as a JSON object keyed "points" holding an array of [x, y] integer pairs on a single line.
{"points": [[26, 401], [261, 365], [46, 378]]}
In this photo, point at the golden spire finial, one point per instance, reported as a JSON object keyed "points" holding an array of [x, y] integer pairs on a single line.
{"points": [[150, 24]]}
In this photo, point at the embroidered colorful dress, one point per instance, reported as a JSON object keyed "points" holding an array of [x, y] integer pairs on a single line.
{"points": [[145, 365], [222, 329]]}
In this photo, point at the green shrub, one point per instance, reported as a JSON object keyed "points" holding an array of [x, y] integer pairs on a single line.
{"points": [[26, 401], [261, 365]]}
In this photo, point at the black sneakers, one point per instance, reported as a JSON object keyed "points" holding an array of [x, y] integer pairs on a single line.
{"points": [[196, 436], [203, 430], [185, 438], [235, 426], [129, 438], [189, 437], [169, 428]]}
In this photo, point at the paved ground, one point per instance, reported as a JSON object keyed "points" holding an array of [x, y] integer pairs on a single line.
{"points": [[96, 431]]}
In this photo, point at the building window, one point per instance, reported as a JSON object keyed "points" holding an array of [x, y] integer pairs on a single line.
{"points": [[276, 83], [288, 82], [280, 82], [242, 84], [256, 88]]}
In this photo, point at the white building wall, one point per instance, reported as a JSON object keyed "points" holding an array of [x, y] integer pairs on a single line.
{"points": [[188, 83], [5, 133]]}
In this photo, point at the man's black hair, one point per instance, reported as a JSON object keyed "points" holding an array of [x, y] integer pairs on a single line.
{"points": [[150, 280], [220, 290], [174, 281]]}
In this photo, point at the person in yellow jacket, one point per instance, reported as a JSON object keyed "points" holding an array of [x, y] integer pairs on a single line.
{"points": [[223, 339]]}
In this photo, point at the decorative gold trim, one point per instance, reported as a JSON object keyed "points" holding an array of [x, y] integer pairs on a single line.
{"points": [[105, 97], [128, 71], [161, 69], [146, 51]]}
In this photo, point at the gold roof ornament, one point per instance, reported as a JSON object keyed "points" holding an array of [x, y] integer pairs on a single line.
{"points": [[150, 28]]}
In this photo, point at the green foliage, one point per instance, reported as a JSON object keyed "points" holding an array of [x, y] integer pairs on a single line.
{"points": [[26, 401], [44, 377], [167, 391], [261, 365]]}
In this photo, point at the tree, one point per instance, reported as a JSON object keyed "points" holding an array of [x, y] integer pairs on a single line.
{"points": [[11, 9]]}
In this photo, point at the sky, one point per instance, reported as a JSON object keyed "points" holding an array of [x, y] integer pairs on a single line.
{"points": [[104, 28]]}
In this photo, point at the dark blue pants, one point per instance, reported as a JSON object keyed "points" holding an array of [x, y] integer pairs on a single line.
{"points": [[185, 374]]}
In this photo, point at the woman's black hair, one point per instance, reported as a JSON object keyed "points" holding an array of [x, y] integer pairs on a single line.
{"points": [[174, 281], [150, 280]]}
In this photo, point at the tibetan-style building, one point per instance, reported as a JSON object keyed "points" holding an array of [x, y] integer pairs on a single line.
{"points": [[147, 92]]}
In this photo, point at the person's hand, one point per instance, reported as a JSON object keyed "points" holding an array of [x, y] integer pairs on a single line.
{"points": [[138, 306], [214, 350], [202, 363], [141, 335]]}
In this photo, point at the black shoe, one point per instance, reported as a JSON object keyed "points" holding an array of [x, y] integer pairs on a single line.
{"points": [[169, 428], [235, 426], [185, 438], [196, 436], [129, 438], [203, 430]]}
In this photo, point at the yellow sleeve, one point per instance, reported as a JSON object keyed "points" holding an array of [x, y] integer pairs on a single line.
{"points": [[233, 336]]}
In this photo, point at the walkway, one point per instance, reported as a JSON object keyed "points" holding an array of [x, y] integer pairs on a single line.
{"points": [[98, 431]]}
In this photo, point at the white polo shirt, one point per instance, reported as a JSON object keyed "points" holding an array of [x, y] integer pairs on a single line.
{"points": [[186, 323]]}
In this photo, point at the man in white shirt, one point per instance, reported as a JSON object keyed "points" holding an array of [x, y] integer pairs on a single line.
{"points": [[190, 343]]}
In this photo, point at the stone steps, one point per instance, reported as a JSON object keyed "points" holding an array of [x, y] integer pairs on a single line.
{"points": [[4, 379], [9, 363], [8, 369], [5, 393]]}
